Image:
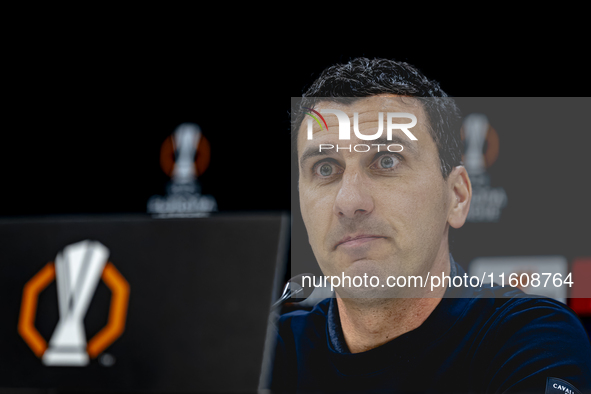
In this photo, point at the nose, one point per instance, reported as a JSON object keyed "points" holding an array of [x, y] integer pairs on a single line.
{"points": [[353, 199]]}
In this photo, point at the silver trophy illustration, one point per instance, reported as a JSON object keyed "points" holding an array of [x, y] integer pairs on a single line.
{"points": [[78, 270], [475, 129], [184, 198], [186, 138], [487, 202]]}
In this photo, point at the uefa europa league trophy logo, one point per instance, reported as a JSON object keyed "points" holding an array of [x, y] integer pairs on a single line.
{"points": [[78, 269], [475, 129], [184, 156], [186, 139], [482, 149]]}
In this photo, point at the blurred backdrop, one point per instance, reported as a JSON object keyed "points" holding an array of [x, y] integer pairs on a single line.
{"points": [[85, 120]]}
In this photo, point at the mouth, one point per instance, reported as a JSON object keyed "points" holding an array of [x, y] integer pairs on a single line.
{"points": [[357, 240]]}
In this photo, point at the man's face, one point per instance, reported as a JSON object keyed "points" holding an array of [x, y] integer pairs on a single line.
{"points": [[374, 213]]}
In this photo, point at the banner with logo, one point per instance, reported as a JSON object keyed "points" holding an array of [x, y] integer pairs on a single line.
{"points": [[131, 303]]}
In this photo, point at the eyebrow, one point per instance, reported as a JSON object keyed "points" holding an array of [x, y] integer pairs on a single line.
{"points": [[314, 151], [311, 152]]}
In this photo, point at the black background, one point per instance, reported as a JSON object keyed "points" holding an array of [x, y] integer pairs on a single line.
{"points": [[86, 113], [87, 108]]}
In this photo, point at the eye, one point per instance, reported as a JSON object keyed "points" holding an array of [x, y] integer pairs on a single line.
{"points": [[386, 162], [326, 169]]}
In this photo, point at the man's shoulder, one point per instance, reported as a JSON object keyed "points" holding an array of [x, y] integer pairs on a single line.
{"points": [[507, 308], [297, 332], [304, 321], [508, 312], [529, 336], [513, 305], [541, 319]]}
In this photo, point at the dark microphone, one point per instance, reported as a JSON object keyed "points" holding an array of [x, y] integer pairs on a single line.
{"points": [[295, 290]]}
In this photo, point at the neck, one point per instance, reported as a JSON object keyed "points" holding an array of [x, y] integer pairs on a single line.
{"points": [[369, 323]]}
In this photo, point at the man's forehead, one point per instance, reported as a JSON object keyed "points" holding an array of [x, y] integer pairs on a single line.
{"points": [[380, 103], [367, 108]]}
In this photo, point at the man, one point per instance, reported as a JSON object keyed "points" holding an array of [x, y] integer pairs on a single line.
{"points": [[378, 199]]}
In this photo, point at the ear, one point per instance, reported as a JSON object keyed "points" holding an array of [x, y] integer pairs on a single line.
{"points": [[460, 190]]}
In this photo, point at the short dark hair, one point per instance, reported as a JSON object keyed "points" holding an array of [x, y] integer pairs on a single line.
{"points": [[362, 77]]}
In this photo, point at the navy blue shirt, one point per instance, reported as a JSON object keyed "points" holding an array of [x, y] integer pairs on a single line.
{"points": [[491, 340]]}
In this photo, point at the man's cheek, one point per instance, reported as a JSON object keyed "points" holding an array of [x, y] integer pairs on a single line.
{"points": [[317, 206], [311, 223]]}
